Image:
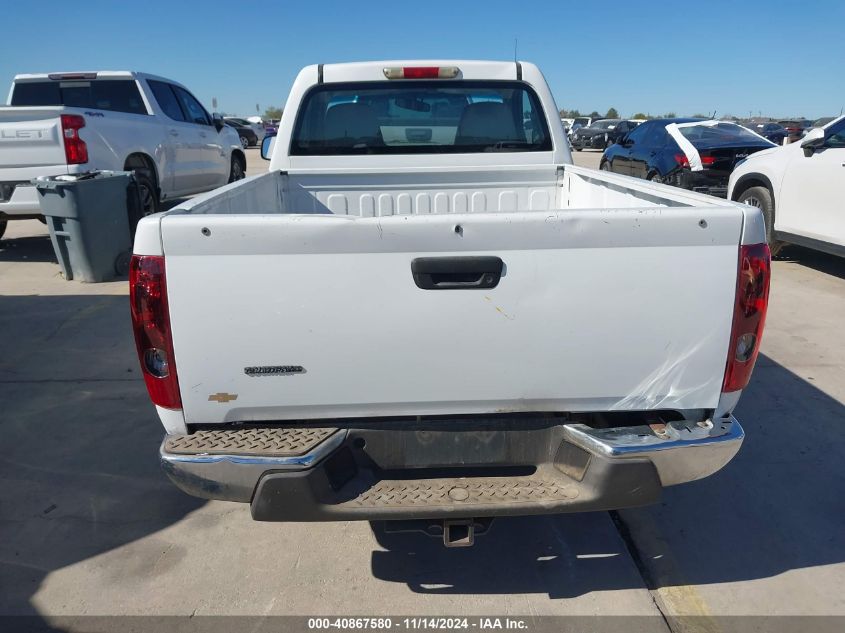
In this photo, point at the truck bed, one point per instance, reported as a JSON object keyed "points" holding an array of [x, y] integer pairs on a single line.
{"points": [[382, 193], [292, 294]]}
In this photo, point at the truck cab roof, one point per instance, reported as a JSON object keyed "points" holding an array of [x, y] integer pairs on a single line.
{"points": [[466, 69], [80, 75]]}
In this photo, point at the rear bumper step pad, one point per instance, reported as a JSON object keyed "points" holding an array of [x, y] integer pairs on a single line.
{"points": [[314, 495], [467, 491], [268, 442]]}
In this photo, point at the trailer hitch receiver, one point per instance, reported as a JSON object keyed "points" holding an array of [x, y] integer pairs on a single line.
{"points": [[458, 533]]}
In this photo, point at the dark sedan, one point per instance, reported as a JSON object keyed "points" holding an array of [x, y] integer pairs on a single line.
{"points": [[773, 132], [694, 154], [597, 135], [246, 134]]}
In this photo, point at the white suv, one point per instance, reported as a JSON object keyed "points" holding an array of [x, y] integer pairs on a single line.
{"points": [[800, 189]]}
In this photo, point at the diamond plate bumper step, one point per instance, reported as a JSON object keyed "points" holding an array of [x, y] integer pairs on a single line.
{"points": [[464, 492], [264, 442]]}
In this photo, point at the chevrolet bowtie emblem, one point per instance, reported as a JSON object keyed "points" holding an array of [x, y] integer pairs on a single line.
{"points": [[222, 398]]}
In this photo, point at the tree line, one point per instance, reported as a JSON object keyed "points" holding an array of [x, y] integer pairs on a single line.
{"points": [[612, 113]]}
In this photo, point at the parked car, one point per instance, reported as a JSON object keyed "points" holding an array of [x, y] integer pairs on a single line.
{"points": [[800, 189], [246, 134], [578, 123], [773, 132], [795, 128], [695, 154], [69, 123], [620, 130], [442, 391], [595, 136], [257, 128]]}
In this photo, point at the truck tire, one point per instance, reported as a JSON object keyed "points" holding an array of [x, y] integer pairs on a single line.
{"points": [[238, 169], [761, 198], [147, 191], [3, 224], [605, 166]]}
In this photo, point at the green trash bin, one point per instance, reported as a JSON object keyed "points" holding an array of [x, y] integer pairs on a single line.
{"points": [[90, 217]]}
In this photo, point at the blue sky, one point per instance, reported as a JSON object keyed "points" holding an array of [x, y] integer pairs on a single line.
{"points": [[732, 57]]}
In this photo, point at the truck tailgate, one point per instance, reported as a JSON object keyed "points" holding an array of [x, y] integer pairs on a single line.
{"points": [[31, 137], [279, 317]]}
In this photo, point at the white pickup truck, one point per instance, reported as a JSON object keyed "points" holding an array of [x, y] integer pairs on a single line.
{"points": [[67, 123], [425, 311]]}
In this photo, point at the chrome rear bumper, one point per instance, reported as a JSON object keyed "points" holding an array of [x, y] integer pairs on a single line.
{"points": [[580, 468], [679, 453]]}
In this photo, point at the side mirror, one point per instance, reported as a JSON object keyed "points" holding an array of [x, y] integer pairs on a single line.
{"points": [[625, 141], [267, 146], [218, 121], [812, 141]]}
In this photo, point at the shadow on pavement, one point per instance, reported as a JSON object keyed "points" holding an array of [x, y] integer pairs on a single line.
{"points": [[27, 249], [822, 262], [78, 469], [554, 555], [777, 506]]}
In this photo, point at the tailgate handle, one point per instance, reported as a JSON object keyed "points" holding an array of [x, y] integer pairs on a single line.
{"points": [[456, 273]]}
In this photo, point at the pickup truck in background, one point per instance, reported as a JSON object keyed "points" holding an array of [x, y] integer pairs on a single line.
{"points": [[69, 123], [424, 311], [800, 189]]}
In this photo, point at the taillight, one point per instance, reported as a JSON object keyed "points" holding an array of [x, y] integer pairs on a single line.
{"points": [[683, 161], [151, 322], [76, 151], [421, 72], [752, 300]]}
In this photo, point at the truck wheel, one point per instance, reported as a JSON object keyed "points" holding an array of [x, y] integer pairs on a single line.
{"points": [[3, 224], [148, 200], [238, 170], [605, 166], [244, 142], [148, 194], [761, 198], [655, 177]]}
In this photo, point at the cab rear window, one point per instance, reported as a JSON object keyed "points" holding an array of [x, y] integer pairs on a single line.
{"points": [[118, 95], [420, 117]]}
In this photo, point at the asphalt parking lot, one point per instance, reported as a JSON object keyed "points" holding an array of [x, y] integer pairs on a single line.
{"points": [[90, 526]]}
